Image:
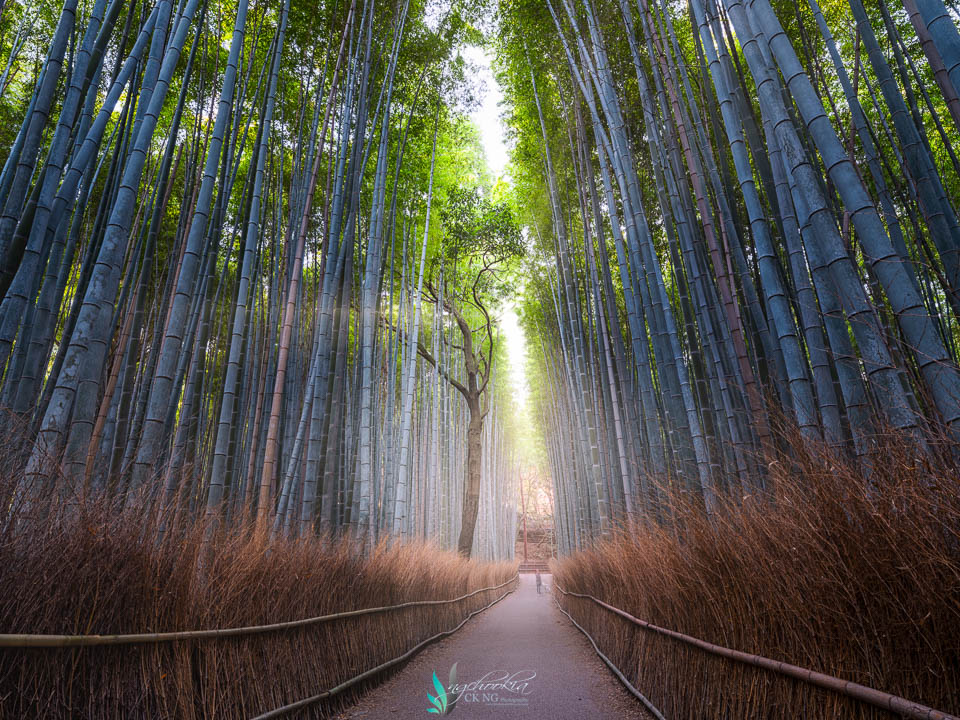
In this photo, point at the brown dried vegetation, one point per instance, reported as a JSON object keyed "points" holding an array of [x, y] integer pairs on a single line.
{"points": [[854, 579], [98, 570]]}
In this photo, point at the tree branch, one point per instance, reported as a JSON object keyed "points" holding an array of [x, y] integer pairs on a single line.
{"points": [[425, 354], [487, 361]]}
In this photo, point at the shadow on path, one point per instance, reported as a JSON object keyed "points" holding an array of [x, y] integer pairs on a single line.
{"points": [[533, 662]]}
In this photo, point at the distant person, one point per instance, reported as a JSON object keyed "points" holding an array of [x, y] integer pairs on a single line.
{"points": [[539, 583]]}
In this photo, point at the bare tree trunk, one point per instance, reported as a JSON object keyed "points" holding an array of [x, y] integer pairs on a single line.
{"points": [[471, 493]]}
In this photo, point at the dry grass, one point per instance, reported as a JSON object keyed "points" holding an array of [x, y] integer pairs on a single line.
{"points": [[861, 584], [97, 570]]}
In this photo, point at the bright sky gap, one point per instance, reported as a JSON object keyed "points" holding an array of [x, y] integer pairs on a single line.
{"points": [[487, 118]]}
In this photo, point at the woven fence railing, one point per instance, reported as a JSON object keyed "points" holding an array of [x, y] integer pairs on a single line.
{"points": [[15, 640], [300, 704], [861, 693], [53, 642]]}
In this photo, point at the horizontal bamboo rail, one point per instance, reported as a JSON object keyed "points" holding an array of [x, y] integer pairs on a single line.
{"points": [[616, 671], [862, 693], [300, 704], [73, 641]]}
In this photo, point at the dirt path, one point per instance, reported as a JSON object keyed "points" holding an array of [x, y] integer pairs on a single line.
{"points": [[535, 665]]}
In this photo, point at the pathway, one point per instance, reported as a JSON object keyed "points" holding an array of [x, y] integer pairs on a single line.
{"points": [[542, 665]]}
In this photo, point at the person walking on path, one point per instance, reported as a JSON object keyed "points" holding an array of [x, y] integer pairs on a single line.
{"points": [[539, 582]]}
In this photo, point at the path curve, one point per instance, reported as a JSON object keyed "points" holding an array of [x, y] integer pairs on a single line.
{"points": [[555, 673]]}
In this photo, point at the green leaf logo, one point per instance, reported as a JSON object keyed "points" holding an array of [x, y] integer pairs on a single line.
{"points": [[442, 705], [440, 701]]}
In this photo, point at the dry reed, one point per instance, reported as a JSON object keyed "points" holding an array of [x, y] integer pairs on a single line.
{"points": [[98, 570], [853, 577]]}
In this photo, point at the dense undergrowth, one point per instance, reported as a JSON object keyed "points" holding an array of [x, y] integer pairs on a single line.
{"points": [[837, 574], [94, 570]]}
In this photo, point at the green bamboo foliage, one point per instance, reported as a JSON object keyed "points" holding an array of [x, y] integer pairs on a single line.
{"points": [[211, 245], [257, 276], [782, 230]]}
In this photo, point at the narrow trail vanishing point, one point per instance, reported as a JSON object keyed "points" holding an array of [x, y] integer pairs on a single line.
{"points": [[521, 659]]}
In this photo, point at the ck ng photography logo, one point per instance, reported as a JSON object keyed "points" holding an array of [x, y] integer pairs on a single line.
{"points": [[442, 705], [493, 688]]}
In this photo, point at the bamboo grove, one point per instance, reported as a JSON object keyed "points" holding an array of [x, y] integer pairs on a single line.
{"points": [[745, 220], [223, 268]]}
